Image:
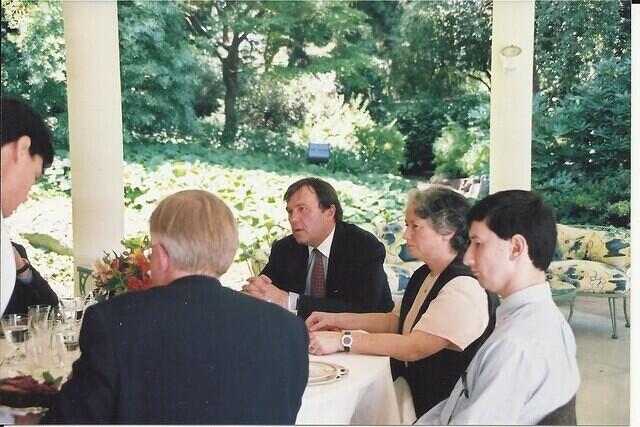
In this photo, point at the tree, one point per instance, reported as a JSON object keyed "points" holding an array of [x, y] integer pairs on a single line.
{"points": [[157, 68], [33, 60], [570, 39]]}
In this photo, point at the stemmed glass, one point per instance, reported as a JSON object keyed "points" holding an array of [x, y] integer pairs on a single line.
{"points": [[16, 332]]}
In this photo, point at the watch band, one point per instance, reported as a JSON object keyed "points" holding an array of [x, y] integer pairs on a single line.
{"points": [[22, 269]]}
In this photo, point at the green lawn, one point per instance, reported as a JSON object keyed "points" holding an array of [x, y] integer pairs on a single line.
{"points": [[252, 184]]}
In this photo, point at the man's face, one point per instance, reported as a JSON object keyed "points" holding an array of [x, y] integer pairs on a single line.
{"points": [[22, 171], [310, 225], [489, 258]]}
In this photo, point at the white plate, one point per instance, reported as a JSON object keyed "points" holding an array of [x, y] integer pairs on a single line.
{"points": [[325, 372]]}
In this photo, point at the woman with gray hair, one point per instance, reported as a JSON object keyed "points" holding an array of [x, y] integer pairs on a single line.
{"points": [[444, 317]]}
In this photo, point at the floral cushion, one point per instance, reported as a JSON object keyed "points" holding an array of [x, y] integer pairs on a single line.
{"points": [[392, 235], [559, 287], [607, 245], [399, 275], [588, 276]]}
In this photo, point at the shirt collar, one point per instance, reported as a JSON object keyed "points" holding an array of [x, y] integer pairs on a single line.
{"points": [[528, 295], [325, 246]]}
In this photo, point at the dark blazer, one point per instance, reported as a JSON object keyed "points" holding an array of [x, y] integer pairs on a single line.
{"points": [[191, 352], [356, 281], [35, 292], [431, 379]]}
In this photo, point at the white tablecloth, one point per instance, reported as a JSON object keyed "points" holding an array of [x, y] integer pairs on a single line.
{"points": [[365, 396]]}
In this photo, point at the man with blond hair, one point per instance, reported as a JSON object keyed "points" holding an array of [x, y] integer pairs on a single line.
{"points": [[188, 350]]}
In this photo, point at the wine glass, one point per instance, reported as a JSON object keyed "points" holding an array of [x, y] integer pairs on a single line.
{"points": [[16, 332]]}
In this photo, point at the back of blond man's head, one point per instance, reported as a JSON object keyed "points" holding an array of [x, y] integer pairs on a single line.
{"points": [[198, 231]]}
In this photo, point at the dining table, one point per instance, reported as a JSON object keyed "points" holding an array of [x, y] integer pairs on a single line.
{"points": [[365, 395]]}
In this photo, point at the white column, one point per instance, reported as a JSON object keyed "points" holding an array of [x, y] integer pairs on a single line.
{"points": [[511, 96], [95, 128]]}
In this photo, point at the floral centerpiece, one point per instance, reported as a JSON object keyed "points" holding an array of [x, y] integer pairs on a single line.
{"points": [[129, 271]]}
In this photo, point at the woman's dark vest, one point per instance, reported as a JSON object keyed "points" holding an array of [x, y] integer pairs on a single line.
{"points": [[431, 379]]}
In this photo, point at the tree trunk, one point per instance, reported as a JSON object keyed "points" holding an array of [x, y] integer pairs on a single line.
{"points": [[230, 79]]}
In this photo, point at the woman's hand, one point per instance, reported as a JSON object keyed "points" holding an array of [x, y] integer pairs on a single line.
{"points": [[321, 321], [325, 342]]}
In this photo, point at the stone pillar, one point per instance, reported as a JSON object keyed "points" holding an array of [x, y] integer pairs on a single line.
{"points": [[95, 128], [511, 95]]}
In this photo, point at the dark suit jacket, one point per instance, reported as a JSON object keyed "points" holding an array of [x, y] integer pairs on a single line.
{"points": [[35, 292], [356, 281], [190, 352]]}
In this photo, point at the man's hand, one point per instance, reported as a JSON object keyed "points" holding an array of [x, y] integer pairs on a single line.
{"points": [[262, 287], [18, 258], [325, 342]]}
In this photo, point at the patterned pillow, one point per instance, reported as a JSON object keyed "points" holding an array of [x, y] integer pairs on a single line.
{"points": [[610, 247], [589, 276], [572, 242]]}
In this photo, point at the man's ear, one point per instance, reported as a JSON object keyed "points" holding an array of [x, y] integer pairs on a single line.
{"points": [[162, 255], [332, 211], [23, 144], [519, 246]]}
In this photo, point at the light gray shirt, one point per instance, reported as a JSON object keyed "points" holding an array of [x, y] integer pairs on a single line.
{"points": [[526, 369]]}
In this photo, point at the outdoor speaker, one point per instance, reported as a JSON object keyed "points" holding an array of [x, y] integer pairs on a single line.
{"points": [[318, 153]]}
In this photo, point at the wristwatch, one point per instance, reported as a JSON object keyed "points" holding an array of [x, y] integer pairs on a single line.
{"points": [[346, 341], [22, 269]]}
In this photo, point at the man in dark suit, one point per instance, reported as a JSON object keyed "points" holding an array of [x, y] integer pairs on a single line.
{"points": [[30, 288], [326, 264], [187, 350]]}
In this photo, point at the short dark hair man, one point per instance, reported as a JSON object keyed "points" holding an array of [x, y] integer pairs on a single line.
{"points": [[326, 264], [188, 350], [527, 368], [26, 152]]}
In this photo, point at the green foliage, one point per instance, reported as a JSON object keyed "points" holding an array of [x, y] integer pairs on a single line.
{"points": [[380, 147], [157, 68], [582, 148], [572, 36], [46, 242], [33, 66], [441, 46], [463, 151]]}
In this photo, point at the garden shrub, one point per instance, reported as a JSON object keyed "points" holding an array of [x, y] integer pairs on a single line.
{"points": [[380, 147], [582, 151]]}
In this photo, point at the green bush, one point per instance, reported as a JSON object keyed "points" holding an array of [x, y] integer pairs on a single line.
{"points": [[582, 151], [460, 152], [380, 147]]}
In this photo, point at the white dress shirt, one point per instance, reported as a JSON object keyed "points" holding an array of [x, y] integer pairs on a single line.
{"points": [[325, 250], [8, 267], [526, 369]]}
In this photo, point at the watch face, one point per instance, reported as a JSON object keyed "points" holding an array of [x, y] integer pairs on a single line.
{"points": [[347, 340]]}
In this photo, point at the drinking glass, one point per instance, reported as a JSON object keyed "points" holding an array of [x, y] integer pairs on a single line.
{"points": [[16, 332], [72, 307], [39, 318]]}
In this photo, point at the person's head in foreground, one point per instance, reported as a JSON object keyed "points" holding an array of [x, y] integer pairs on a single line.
{"points": [[513, 238], [313, 209], [436, 225], [192, 232], [26, 152]]}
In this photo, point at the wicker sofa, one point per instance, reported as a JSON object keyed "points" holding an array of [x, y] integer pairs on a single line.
{"points": [[596, 262]]}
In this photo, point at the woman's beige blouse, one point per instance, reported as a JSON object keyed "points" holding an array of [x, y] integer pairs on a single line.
{"points": [[459, 313]]}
